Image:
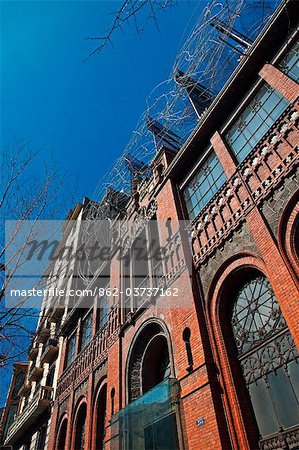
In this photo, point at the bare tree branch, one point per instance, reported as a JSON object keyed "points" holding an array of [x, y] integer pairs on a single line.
{"points": [[141, 12], [24, 197]]}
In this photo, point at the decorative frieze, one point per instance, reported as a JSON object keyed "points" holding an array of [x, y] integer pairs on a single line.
{"points": [[90, 358], [256, 178]]}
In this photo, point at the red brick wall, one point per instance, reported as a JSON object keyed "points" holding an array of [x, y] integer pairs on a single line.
{"points": [[211, 389]]}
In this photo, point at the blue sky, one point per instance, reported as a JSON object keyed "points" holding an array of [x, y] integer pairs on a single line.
{"points": [[80, 114]]}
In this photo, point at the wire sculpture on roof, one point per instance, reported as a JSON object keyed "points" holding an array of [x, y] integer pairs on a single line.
{"points": [[218, 41]]}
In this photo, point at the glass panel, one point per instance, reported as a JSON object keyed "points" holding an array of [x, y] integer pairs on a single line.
{"points": [[251, 323], [71, 345], [293, 369], [10, 418], [148, 422], [290, 63], [279, 109], [86, 330], [261, 131], [262, 112], [206, 182], [104, 309], [162, 435], [286, 403], [18, 383], [263, 408]]}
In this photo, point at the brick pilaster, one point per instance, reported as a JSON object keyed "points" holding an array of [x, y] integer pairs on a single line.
{"points": [[281, 82], [53, 425], [70, 425], [89, 415], [224, 155]]}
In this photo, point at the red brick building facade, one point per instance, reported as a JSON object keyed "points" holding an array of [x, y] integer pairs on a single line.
{"points": [[219, 371]]}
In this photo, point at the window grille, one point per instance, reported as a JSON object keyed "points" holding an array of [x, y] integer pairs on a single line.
{"points": [[268, 357]]}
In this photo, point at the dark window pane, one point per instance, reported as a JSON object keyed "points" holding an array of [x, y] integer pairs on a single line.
{"points": [[71, 346], [263, 408], [293, 369], [104, 308], [284, 399], [86, 330]]}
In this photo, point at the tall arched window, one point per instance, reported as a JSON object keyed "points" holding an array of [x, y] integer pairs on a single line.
{"points": [[150, 362], [62, 436], [156, 363], [150, 420], [100, 418], [269, 361], [80, 426]]}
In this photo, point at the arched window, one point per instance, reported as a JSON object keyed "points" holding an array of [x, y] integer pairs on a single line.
{"points": [[100, 418], [62, 436], [268, 359], [112, 394], [156, 364], [80, 428], [186, 339]]}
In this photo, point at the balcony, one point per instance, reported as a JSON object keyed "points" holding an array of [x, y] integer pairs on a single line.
{"points": [[25, 390], [57, 308], [50, 351], [32, 354], [40, 402], [35, 373], [43, 334]]}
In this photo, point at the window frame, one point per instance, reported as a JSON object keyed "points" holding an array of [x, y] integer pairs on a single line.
{"points": [[69, 362], [240, 357], [286, 53], [241, 111], [131, 302], [102, 319], [84, 342], [191, 176]]}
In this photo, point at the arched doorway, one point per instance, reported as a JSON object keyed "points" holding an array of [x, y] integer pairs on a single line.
{"points": [[80, 426], [150, 420], [62, 436], [100, 418], [268, 359]]}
